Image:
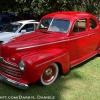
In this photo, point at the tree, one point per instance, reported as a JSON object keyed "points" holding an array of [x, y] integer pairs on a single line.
{"points": [[92, 6], [47, 6]]}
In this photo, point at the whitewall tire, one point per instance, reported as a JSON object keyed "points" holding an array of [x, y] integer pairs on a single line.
{"points": [[49, 75]]}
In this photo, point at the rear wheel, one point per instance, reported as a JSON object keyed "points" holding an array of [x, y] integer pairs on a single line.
{"points": [[49, 75]]}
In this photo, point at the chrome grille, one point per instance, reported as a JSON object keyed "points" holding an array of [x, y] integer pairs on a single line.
{"points": [[10, 70]]}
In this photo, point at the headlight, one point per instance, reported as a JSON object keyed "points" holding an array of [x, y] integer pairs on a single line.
{"points": [[22, 65]]}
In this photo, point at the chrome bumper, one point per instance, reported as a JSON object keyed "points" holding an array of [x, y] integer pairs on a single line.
{"points": [[13, 83]]}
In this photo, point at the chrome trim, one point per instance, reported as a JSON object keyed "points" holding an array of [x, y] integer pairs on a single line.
{"points": [[39, 45], [27, 47], [5, 62], [80, 37], [13, 83], [21, 48], [52, 59], [84, 36], [23, 65]]}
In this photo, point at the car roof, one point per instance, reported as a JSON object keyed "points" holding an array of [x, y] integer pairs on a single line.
{"points": [[67, 15], [26, 21]]}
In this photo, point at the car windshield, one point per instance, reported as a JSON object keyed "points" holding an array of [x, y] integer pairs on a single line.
{"points": [[13, 27], [54, 25]]}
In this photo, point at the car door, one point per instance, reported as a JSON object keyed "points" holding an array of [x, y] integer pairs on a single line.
{"points": [[94, 35], [79, 41]]}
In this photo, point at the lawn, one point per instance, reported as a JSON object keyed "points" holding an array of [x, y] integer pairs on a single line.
{"points": [[81, 83]]}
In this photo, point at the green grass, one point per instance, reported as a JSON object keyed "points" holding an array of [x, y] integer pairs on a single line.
{"points": [[81, 83]]}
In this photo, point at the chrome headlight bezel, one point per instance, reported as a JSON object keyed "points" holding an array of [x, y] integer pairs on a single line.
{"points": [[22, 65]]}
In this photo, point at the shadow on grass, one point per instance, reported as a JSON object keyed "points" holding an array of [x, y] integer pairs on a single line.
{"points": [[51, 92]]}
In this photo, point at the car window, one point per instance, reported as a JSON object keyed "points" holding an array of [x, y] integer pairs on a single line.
{"points": [[13, 27], [45, 23], [54, 25], [79, 26], [93, 24], [59, 25], [28, 27]]}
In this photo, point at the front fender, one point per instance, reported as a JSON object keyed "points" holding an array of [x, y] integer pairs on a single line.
{"points": [[37, 62]]}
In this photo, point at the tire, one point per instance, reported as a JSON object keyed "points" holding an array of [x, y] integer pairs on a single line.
{"points": [[49, 75]]}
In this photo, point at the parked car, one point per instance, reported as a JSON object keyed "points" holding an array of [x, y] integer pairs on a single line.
{"points": [[61, 41], [6, 19], [17, 28]]}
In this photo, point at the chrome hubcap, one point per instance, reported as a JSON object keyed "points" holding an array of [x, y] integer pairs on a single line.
{"points": [[48, 73]]}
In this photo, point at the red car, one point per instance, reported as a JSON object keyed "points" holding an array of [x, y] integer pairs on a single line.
{"points": [[61, 41]]}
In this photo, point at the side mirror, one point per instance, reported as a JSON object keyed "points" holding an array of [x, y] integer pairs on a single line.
{"points": [[23, 31]]}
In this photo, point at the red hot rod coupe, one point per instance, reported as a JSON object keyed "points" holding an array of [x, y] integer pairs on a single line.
{"points": [[61, 41]]}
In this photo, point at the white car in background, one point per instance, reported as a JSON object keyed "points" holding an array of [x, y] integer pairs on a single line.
{"points": [[16, 29]]}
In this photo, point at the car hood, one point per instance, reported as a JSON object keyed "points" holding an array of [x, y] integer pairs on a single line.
{"points": [[4, 33], [31, 41], [6, 36], [36, 38]]}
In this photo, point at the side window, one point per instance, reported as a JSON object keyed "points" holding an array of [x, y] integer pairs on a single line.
{"points": [[79, 26], [28, 27], [93, 24]]}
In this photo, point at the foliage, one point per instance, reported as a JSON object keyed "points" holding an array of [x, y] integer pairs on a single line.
{"points": [[47, 6], [92, 6]]}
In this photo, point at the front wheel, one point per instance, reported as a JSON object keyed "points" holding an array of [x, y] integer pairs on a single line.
{"points": [[49, 75]]}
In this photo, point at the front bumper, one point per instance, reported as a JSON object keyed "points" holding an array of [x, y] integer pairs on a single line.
{"points": [[13, 82]]}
